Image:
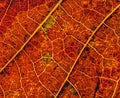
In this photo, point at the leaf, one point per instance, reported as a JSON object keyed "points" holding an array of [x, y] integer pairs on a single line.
{"points": [[59, 48]]}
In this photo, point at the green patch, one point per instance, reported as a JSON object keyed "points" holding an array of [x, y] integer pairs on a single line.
{"points": [[49, 23], [72, 90], [47, 57], [91, 43]]}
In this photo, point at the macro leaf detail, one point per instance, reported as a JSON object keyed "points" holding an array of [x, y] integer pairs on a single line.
{"points": [[59, 49]]}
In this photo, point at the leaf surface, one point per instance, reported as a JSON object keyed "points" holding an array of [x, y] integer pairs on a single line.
{"points": [[59, 49]]}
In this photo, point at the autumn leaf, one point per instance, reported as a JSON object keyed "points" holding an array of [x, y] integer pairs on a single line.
{"points": [[59, 48]]}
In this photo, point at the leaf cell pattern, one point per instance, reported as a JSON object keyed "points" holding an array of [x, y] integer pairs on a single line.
{"points": [[60, 49]]}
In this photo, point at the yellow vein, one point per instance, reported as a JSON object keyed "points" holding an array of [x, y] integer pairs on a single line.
{"points": [[116, 87], [3, 92], [85, 46], [5, 12], [46, 18]]}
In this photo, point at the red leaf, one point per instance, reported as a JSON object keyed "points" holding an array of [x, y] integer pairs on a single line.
{"points": [[59, 48]]}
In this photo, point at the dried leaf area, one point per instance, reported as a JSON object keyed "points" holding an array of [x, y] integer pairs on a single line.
{"points": [[59, 49]]}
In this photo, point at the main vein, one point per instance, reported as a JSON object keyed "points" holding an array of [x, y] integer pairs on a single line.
{"points": [[40, 25], [93, 33]]}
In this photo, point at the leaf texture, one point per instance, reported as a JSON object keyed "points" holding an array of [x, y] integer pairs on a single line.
{"points": [[60, 49]]}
